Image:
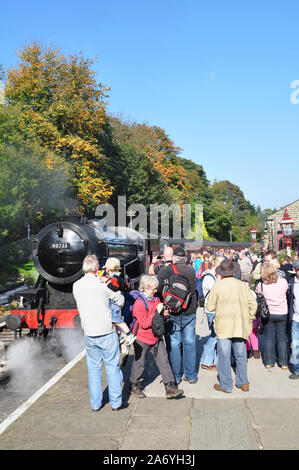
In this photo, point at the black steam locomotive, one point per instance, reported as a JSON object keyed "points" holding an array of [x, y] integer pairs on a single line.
{"points": [[58, 253]]}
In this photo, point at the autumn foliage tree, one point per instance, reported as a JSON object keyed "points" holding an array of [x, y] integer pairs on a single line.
{"points": [[56, 133], [159, 151], [63, 109]]}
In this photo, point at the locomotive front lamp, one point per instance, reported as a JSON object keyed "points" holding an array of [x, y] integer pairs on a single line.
{"points": [[287, 225], [253, 234]]}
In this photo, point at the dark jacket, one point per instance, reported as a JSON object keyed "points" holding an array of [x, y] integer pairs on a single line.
{"points": [[186, 271], [286, 268]]}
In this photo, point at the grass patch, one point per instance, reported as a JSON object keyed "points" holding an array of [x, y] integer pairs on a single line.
{"points": [[11, 273]]}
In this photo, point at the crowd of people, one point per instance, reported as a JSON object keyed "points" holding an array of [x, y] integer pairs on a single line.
{"points": [[225, 283]]}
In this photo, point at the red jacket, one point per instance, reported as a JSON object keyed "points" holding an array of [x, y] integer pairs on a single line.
{"points": [[144, 318]]}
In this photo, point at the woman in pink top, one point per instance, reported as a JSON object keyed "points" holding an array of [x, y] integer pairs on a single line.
{"points": [[274, 290]]}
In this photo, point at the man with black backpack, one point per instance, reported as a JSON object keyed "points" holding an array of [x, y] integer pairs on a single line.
{"points": [[177, 289]]}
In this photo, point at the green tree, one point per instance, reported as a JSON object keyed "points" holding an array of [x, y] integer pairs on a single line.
{"points": [[29, 190], [236, 207], [220, 221]]}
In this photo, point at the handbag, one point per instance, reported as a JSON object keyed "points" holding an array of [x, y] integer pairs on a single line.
{"points": [[158, 324], [263, 311]]}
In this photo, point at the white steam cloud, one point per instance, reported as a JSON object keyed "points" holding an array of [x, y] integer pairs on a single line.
{"points": [[31, 362]]}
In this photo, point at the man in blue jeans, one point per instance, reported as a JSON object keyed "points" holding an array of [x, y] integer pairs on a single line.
{"points": [[294, 317], [180, 333], [208, 358], [235, 307], [101, 340]]}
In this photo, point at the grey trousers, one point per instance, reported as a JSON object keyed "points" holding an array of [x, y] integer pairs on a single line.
{"points": [[161, 358]]}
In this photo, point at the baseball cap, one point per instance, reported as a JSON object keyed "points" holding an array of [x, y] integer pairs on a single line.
{"points": [[179, 251]]}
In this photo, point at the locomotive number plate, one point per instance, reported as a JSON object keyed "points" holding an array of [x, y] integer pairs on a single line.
{"points": [[59, 246]]}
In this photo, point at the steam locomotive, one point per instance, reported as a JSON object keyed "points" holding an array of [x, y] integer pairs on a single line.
{"points": [[58, 253]]}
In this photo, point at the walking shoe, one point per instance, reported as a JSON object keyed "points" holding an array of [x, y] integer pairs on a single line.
{"points": [[243, 387], [192, 381], [256, 354], [121, 407], [268, 366], [130, 339], [219, 389], [294, 376], [97, 409], [137, 392], [172, 390], [284, 367], [212, 367]]}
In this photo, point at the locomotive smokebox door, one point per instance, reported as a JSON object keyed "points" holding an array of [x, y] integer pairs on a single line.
{"points": [[60, 250]]}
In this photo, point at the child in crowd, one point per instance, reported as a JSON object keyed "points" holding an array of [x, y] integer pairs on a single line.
{"points": [[116, 282]]}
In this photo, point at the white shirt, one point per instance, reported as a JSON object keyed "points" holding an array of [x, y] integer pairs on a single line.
{"points": [[207, 284], [92, 297]]}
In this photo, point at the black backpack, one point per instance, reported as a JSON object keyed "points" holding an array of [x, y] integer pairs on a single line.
{"points": [[263, 311], [176, 292]]}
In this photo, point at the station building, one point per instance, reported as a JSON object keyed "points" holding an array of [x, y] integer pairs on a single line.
{"points": [[275, 234]]}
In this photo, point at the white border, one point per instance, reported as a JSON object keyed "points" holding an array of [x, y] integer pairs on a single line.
{"points": [[19, 411]]}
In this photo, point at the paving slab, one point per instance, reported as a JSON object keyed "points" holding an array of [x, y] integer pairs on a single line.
{"points": [[279, 437], [266, 417], [274, 412], [160, 407], [157, 432], [85, 444], [217, 426]]}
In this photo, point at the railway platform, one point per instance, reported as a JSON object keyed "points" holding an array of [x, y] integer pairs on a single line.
{"points": [[59, 417]]}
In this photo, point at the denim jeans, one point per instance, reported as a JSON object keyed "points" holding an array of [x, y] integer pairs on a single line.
{"points": [[115, 312], [198, 282], [98, 349], [294, 360], [208, 357], [275, 335], [225, 348], [180, 331]]}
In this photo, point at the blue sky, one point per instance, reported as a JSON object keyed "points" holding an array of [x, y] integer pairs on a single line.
{"points": [[216, 75]]}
